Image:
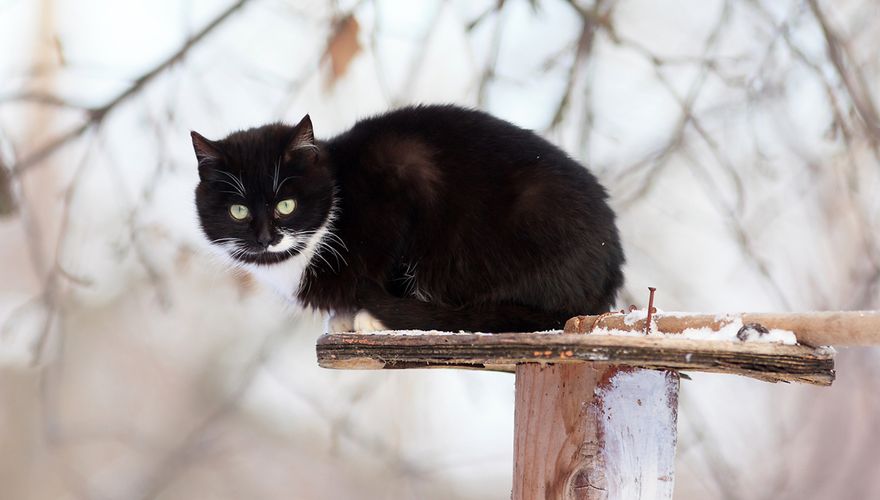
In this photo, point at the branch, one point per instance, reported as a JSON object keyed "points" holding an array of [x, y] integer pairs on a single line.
{"points": [[659, 159], [44, 99], [97, 115], [599, 17], [853, 81], [8, 204]]}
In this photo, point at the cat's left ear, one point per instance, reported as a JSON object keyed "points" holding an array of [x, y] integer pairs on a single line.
{"points": [[303, 136]]}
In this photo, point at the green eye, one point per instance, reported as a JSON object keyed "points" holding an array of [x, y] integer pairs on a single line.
{"points": [[239, 212], [285, 207]]}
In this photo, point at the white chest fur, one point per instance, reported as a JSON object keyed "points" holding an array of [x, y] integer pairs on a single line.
{"points": [[286, 276]]}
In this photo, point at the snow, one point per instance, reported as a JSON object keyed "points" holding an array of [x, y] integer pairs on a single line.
{"points": [[728, 332], [634, 316], [416, 333], [640, 434]]}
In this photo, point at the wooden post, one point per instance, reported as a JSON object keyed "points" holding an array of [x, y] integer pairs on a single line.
{"points": [[594, 431]]}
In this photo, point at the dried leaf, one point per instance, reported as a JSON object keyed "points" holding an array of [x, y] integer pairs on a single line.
{"points": [[342, 47]]}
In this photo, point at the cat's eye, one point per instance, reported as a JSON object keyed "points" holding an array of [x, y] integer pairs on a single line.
{"points": [[285, 207], [239, 212]]}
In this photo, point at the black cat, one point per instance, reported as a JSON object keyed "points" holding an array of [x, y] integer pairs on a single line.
{"points": [[428, 217]]}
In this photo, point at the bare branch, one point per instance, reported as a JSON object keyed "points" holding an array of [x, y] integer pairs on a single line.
{"points": [[97, 115], [8, 204], [852, 78], [590, 23], [42, 98]]}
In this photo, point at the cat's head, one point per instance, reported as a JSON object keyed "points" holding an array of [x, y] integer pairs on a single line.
{"points": [[265, 194]]}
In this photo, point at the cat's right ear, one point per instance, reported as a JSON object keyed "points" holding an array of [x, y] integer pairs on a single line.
{"points": [[207, 152]]}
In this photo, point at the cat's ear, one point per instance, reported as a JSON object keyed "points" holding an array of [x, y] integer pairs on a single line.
{"points": [[207, 152], [303, 137]]}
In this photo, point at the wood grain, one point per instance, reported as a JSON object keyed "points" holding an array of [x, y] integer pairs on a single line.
{"points": [[763, 361], [593, 431], [835, 328]]}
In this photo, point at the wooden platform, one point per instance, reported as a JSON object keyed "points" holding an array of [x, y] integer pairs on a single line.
{"points": [[597, 403], [502, 352]]}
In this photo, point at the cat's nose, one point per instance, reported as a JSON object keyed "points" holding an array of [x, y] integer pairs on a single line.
{"points": [[265, 239]]}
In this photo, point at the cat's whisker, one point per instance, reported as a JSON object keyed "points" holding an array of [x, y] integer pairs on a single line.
{"points": [[409, 279], [239, 183], [333, 237], [237, 189], [289, 177], [318, 255], [238, 251], [326, 240], [223, 240], [324, 245]]}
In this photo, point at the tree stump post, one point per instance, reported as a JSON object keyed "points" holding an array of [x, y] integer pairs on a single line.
{"points": [[594, 431]]}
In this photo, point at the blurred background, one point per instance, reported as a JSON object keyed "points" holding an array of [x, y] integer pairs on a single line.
{"points": [[740, 141]]}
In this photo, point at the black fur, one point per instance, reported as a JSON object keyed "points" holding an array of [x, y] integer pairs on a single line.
{"points": [[449, 219]]}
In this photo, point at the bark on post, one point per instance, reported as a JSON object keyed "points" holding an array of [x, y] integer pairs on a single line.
{"points": [[591, 431]]}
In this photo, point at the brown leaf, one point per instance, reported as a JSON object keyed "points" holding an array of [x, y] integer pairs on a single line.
{"points": [[342, 47]]}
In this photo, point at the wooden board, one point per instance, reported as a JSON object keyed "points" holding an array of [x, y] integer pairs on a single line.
{"points": [[763, 361], [834, 328]]}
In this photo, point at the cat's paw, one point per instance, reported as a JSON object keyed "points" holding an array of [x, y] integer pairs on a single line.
{"points": [[339, 322], [366, 322]]}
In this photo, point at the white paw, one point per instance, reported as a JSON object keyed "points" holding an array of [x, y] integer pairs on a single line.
{"points": [[339, 322], [366, 322]]}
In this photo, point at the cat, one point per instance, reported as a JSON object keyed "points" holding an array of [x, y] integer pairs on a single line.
{"points": [[431, 217]]}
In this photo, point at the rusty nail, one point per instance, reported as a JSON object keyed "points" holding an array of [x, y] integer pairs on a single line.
{"points": [[651, 291]]}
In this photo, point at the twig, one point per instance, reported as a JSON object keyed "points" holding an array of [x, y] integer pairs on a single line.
{"points": [[488, 73], [591, 22], [97, 115], [42, 98], [853, 79], [659, 159], [8, 203]]}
